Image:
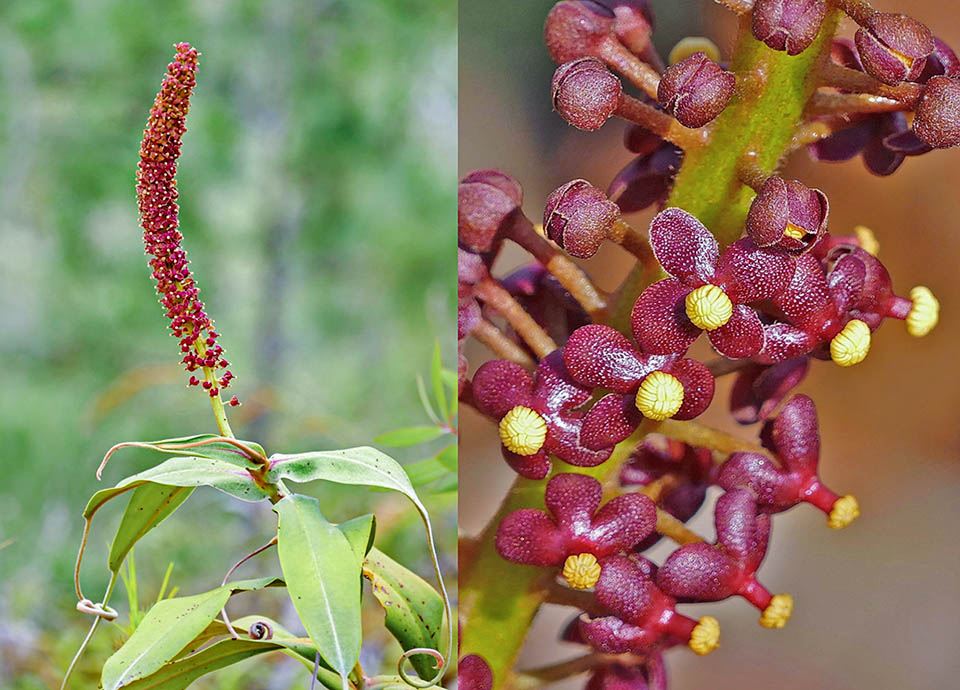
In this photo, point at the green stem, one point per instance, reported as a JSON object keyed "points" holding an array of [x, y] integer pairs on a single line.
{"points": [[93, 629], [500, 599]]}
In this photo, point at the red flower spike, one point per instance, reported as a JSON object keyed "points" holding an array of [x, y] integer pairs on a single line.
{"points": [[577, 533], [535, 414], [579, 217], [644, 618], [691, 467], [655, 386], [862, 289], [894, 47], [585, 93], [707, 291], [794, 438], [695, 90], [787, 215], [473, 673], [157, 202], [486, 202], [789, 25], [758, 389], [711, 572]]}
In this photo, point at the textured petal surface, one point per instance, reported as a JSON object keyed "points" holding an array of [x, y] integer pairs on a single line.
{"points": [[612, 419], [698, 572], [555, 388], [499, 385], [573, 499], [683, 246], [611, 635], [748, 273], [536, 466], [741, 336], [698, 387], [597, 355], [563, 440], [659, 319], [782, 342], [796, 435], [530, 537]]}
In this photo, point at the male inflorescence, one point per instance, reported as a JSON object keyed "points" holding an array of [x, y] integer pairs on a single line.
{"points": [[570, 387], [159, 215]]}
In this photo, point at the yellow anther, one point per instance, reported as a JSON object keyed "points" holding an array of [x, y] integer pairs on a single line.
{"points": [[706, 636], [660, 396], [925, 313], [523, 431], [794, 231], [708, 307], [866, 238], [581, 571], [778, 611], [851, 345], [538, 228], [845, 511], [693, 44]]}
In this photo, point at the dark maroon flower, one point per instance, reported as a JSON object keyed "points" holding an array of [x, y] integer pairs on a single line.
{"points": [[794, 438], [706, 291], [577, 533], [862, 289], [549, 303], [585, 93], [758, 389], [789, 25], [535, 414], [937, 119], [689, 467], [579, 217], [647, 179], [470, 269], [695, 90], [788, 215], [473, 673], [883, 139], [711, 572], [862, 237], [633, 23], [159, 215], [577, 28], [486, 203], [941, 62], [654, 386], [894, 47], [644, 618]]}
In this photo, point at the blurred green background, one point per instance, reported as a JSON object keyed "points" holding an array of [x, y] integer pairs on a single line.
{"points": [[316, 195]]}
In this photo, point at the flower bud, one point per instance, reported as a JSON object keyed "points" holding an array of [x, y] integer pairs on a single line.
{"points": [[576, 28], [789, 25], [474, 673], [942, 62], [894, 47], [937, 120], [578, 217], [486, 199], [788, 215], [585, 93], [634, 23], [647, 179], [695, 90]]}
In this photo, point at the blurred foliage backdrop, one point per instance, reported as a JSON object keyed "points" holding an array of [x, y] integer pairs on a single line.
{"points": [[316, 196]]}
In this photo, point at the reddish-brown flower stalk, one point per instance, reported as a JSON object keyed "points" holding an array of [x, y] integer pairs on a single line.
{"points": [[157, 200]]}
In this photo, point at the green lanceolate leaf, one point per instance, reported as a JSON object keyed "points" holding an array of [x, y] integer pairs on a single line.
{"points": [[196, 471], [448, 457], [181, 673], [410, 436], [360, 532], [425, 471], [414, 610], [149, 505], [323, 578], [362, 466], [169, 626]]}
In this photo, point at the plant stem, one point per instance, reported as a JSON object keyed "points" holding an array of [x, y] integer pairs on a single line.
{"points": [[504, 348], [852, 104], [661, 124], [853, 80], [640, 74], [93, 629], [501, 301], [209, 375], [858, 10]]}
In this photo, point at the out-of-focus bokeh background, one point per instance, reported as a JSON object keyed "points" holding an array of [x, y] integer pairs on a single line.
{"points": [[877, 604], [316, 194]]}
